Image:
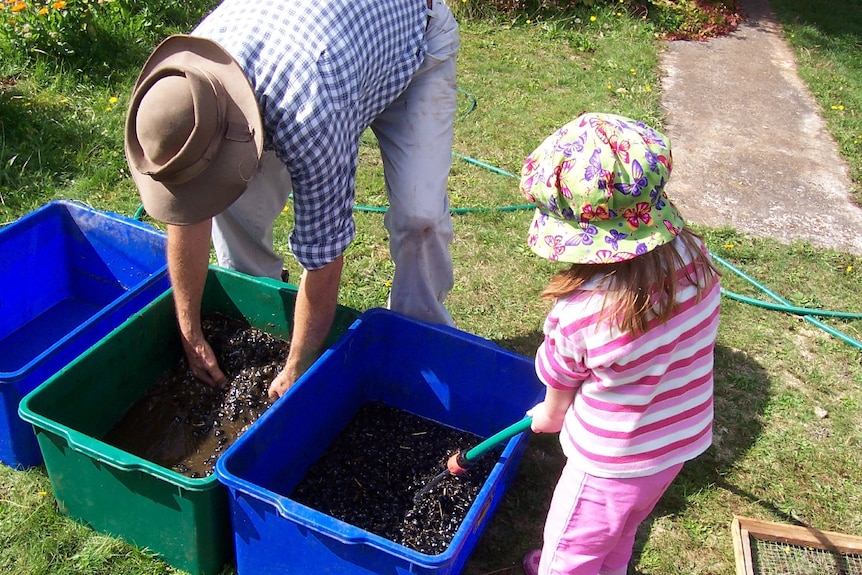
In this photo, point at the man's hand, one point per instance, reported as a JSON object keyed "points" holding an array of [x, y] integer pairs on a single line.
{"points": [[203, 361], [282, 382]]}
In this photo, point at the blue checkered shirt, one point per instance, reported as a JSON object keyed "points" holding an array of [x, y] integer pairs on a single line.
{"points": [[322, 71]]}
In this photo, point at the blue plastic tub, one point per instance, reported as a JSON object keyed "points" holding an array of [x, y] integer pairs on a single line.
{"points": [[182, 520], [69, 274], [451, 377]]}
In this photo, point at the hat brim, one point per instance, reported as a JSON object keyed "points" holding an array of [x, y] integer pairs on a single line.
{"points": [[234, 165], [611, 242]]}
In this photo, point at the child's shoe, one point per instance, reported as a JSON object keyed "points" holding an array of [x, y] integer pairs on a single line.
{"points": [[531, 562]]}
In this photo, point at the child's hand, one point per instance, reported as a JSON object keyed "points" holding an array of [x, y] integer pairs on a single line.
{"points": [[545, 422], [548, 416]]}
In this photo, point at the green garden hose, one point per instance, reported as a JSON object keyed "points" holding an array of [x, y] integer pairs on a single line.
{"points": [[785, 305], [789, 308], [782, 305], [481, 449], [460, 462]]}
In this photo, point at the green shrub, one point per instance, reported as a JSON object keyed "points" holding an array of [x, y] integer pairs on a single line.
{"points": [[91, 33], [55, 27], [693, 19], [674, 19]]}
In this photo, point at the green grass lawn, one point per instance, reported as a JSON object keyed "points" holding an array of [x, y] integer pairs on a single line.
{"points": [[788, 432]]}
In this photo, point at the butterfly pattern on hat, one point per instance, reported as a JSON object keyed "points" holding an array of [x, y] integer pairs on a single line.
{"points": [[639, 181], [598, 184]]}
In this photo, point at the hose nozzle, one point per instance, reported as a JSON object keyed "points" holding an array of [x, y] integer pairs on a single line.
{"points": [[458, 464]]}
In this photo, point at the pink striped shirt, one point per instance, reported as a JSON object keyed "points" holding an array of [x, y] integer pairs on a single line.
{"points": [[643, 403]]}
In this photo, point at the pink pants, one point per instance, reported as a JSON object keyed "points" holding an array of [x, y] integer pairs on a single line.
{"points": [[592, 521]]}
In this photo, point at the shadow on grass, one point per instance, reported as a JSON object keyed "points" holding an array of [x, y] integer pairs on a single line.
{"points": [[108, 46], [39, 146], [836, 31], [741, 394], [118, 46], [108, 58], [525, 344]]}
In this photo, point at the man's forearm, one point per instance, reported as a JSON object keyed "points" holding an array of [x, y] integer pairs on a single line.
{"points": [[188, 260], [316, 303]]}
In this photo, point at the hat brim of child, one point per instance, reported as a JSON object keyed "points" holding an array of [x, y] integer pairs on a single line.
{"points": [[611, 241]]}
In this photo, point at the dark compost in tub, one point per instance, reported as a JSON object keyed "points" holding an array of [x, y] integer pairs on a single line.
{"points": [[370, 473], [367, 477]]}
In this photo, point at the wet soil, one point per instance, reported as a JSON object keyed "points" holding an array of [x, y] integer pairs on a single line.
{"points": [[183, 424], [369, 475]]}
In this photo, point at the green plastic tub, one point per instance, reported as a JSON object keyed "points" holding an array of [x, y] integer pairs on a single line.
{"points": [[184, 521]]}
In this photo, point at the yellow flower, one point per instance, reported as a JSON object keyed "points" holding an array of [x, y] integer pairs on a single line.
{"points": [[592, 18], [18, 6], [839, 107], [59, 4], [529, 21], [112, 99], [849, 269], [729, 246], [633, 71], [648, 88], [43, 493], [43, 10]]}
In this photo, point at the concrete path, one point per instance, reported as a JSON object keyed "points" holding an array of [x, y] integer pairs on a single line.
{"points": [[750, 148]]}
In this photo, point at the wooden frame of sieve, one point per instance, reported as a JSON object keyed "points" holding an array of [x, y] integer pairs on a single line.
{"points": [[744, 529]]}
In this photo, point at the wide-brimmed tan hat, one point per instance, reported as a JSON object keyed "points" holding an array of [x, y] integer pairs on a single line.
{"points": [[193, 131]]}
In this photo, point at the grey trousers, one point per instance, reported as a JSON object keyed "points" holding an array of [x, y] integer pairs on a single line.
{"points": [[415, 135]]}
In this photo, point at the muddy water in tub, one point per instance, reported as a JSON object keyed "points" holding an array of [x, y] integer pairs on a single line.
{"points": [[183, 424]]}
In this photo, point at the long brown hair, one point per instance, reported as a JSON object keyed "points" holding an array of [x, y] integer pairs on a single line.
{"points": [[641, 289]]}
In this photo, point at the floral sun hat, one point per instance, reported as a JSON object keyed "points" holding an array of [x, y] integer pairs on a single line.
{"points": [[599, 183]]}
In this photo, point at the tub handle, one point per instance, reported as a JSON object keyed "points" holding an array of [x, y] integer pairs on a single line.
{"points": [[107, 454], [348, 534]]}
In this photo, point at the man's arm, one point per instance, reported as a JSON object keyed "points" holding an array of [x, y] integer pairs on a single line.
{"points": [[316, 302], [188, 260]]}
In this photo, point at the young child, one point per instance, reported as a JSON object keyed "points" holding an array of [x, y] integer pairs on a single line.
{"points": [[627, 358]]}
